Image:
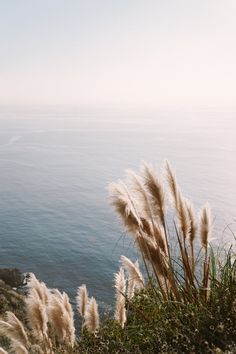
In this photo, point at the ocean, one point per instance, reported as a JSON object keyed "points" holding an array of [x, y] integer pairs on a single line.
{"points": [[56, 164]]}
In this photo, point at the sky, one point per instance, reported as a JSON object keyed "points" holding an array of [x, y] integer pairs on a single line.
{"points": [[118, 52]]}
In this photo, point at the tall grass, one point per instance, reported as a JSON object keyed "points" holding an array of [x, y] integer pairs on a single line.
{"points": [[141, 202], [153, 313]]}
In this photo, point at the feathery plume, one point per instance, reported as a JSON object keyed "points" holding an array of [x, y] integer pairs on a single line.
{"points": [[92, 316], [205, 233], [2, 351], [82, 299], [120, 313], [172, 182], [133, 270], [55, 314], [159, 236], [154, 255], [18, 348], [124, 206], [183, 216], [179, 202], [132, 284], [192, 231], [18, 328], [13, 329], [193, 222], [138, 186], [120, 285], [157, 195], [37, 314], [130, 288], [155, 232], [60, 316], [40, 288], [70, 320], [205, 225]]}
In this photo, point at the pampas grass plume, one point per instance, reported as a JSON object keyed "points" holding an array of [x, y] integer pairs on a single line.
{"points": [[82, 299], [69, 319], [205, 225], [172, 182], [133, 270], [40, 288], [37, 314], [92, 316], [156, 191], [2, 351], [138, 187], [183, 216], [18, 348], [120, 285], [125, 206], [61, 318], [193, 222], [55, 315], [13, 329]]}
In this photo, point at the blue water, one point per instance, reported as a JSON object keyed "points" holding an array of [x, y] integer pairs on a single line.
{"points": [[55, 218]]}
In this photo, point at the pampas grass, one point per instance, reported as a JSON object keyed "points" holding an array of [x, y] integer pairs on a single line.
{"points": [[205, 225], [125, 206], [41, 289], [82, 299], [192, 231], [50, 320], [13, 329], [49, 316], [60, 316], [173, 185], [183, 217], [18, 348], [2, 351], [156, 192], [205, 234], [120, 286], [37, 315], [142, 208], [133, 270], [137, 187], [92, 316]]}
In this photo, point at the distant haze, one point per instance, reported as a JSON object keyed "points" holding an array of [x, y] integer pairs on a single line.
{"points": [[169, 52]]}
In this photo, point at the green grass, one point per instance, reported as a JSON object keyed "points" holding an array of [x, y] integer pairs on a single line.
{"points": [[157, 326]]}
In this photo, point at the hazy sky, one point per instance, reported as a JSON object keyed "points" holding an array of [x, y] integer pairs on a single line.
{"points": [[160, 52]]}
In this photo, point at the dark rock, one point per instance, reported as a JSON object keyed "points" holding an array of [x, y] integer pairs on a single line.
{"points": [[12, 277]]}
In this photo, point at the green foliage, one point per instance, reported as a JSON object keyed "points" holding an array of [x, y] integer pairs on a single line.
{"points": [[158, 326]]}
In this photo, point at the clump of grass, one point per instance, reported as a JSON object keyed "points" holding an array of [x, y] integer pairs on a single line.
{"points": [[141, 203], [49, 322], [156, 325]]}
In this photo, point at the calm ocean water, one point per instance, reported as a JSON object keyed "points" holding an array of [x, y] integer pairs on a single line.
{"points": [[55, 218]]}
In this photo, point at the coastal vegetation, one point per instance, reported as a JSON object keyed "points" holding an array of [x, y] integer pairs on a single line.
{"points": [[183, 300]]}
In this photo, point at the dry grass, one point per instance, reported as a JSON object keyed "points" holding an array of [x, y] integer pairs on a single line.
{"points": [[49, 324], [120, 285], [142, 206], [82, 300], [92, 316]]}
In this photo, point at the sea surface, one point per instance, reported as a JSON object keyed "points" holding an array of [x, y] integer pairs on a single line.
{"points": [[56, 164]]}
